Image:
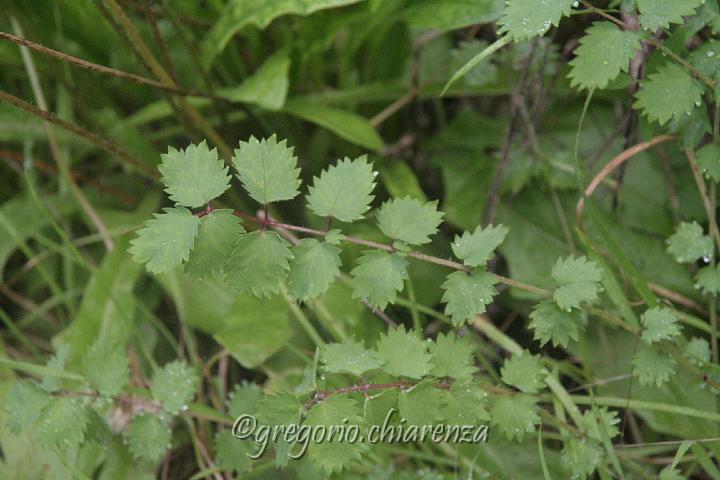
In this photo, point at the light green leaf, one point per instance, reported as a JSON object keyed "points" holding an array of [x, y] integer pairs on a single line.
{"points": [[231, 453], [464, 404], [578, 282], [580, 457], [652, 366], [63, 423], [454, 14], [552, 324], [378, 277], [258, 264], [708, 280], [452, 357], [309, 383], [148, 437], [244, 400], [421, 404], [669, 92], [267, 169], [477, 248], [708, 159], [267, 87], [404, 353], [174, 386], [698, 351], [660, 323], [688, 243], [594, 67], [350, 357], [515, 415], [343, 191], [53, 383], [314, 267], [409, 220], [594, 424], [24, 403], [194, 176], [524, 19], [216, 238], [165, 241], [656, 14], [282, 408], [524, 372], [105, 366], [467, 295]]}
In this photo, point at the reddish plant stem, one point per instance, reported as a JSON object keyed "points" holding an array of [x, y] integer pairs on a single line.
{"points": [[365, 387]]}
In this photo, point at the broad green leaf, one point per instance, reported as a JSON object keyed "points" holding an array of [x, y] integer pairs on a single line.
{"points": [[421, 404], [669, 92], [174, 386], [452, 357], [652, 366], [578, 282], [515, 415], [350, 357], [267, 87], [454, 14], [688, 244], [708, 280], [524, 19], [378, 277], [708, 159], [24, 403], [217, 234], [343, 191], [346, 125], [659, 323], [409, 220], [604, 51], [165, 241], [194, 176], [467, 295], [524, 372], [656, 14], [552, 324], [281, 408], [314, 266], [244, 399], [404, 353], [580, 457], [267, 169], [231, 453], [464, 404], [266, 319], [698, 351], [105, 366], [258, 264], [148, 437], [476, 248], [62, 423]]}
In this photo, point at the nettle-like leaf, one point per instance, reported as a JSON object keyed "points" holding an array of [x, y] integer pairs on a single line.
{"points": [[652, 366], [405, 354], [476, 248], [464, 404], [524, 372], [343, 191], [578, 282], [174, 386], [148, 437], [698, 351], [656, 14], [165, 241], [258, 264], [467, 295], [378, 277], [282, 408], [63, 423], [552, 324], [707, 280], [24, 403], [660, 323], [421, 404], [350, 357], [194, 176], [216, 238], [105, 366], [599, 423], [594, 67], [708, 159], [689, 243], [314, 266], [581, 456], [244, 400], [409, 220], [515, 415], [452, 356], [267, 169], [524, 19], [669, 92], [232, 454]]}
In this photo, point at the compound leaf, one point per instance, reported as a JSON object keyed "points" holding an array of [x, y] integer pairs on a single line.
{"points": [[466, 295], [258, 264], [314, 266], [194, 176], [267, 169], [552, 324], [409, 220], [378, 277], [578, 282], [217, 234], [405, 354], [524, 372], [669, 92], [452, 356], [166, 240], [343, 191], [477, 248]]}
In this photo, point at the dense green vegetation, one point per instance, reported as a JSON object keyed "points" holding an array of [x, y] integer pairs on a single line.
{"points": [[474, 212]]}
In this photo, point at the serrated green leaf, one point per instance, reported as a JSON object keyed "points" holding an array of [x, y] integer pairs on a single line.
{"points": [[477, 248], [524, 19], [515, 416], [350, 357], [378, 277], [669, 92], [578, 282], [174, 386], [282, 408], [452, 357], [148, 437], [698, 351], [404, 353], [467, 295], [524, 372], [334, 236], [194, 176], [689, 243], [315, 265], [244, 400], [231, 453], [707, 280], [594, 66], [267, 169], [24, 403], [660, 323], [552, 324], [62, 423], [165, 241], [656, 14], [421, 404], [708, 159], [56, 362], [463, 404], [594, 424], [581, 457], [343, 191], [409, 220], [258, 264], [217, 234], [105, 365], [652, 366]]}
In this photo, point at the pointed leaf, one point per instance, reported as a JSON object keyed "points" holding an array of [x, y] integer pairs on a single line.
{"points": [[216, 238], [409, 220], [343, 191], [174, 386], [165, 241], [524, 372], [194, 176], [476, 248], [350, 357], [452, 357], [552, 324], [267, 169], [660, 323], [314, 267], [688, 244], [404, 353], [578, 282], [524, 19], [258, 264], [669, 92], [378, 277], [467, 295]]}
